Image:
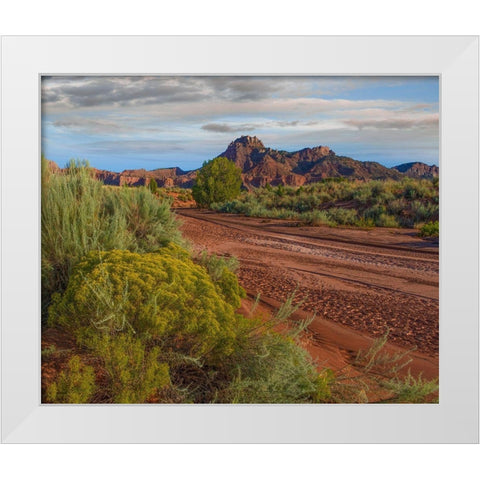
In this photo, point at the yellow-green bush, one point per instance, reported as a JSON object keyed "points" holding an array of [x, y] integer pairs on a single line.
{"points": [[222, 272], [158, 319], [162, 295], [133, 373], [80, 214], [75, 384], [430, 229]]}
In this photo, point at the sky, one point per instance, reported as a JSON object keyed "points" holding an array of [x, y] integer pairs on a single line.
{"points": [[122, 122]]}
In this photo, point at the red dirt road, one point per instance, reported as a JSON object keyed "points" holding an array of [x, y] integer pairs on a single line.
{"points": [[358, 282]]}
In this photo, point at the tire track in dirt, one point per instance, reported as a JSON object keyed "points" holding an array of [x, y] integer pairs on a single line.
{"points": [[346, 241], [357, 282], [410, 321], [357, 252], [363, 287]]}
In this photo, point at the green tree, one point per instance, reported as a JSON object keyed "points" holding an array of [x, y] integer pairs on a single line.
{"points": [[153, 185], [218, 180]]}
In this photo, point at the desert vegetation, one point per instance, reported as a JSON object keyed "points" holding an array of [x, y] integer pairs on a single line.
{"points": [[218, 180], [133, 315], [79, 215], [338, 201], [176, 195], [430, 229]]}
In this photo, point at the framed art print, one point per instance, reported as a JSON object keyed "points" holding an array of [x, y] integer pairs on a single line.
{"points": [[240, 239]]}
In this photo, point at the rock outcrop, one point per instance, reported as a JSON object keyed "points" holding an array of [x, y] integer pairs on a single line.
{"points": [[165, 177], [418, 170], [261, 165]]}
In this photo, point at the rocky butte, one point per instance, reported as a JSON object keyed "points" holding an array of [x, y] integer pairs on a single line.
{"points": [[261, 165], [418, 170]]}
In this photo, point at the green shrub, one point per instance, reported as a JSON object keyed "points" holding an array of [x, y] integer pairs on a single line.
{"points": [[271, 367], [134, 374], [397, 206], [343, 216], [380, 370], [153, 187], [430, 229], [374, 212], [371, 203], [49, 351], [75, 384], [185, 195], [148, 220], [71, 223], [385, 220], [145, 315], [317, 217], [274, 369], [410, 389], [377, 188], [218, 180], [363, 194], [222, 272], [163, 295], [78, 215], [367, 223]]}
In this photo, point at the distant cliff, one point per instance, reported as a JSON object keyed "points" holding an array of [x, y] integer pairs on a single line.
{"points": [[165, 177], [418, 170], [261, 165]]}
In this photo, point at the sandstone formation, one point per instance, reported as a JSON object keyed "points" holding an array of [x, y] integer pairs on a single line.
{"points": [[418, 170], [261, 165], [165, 177]]}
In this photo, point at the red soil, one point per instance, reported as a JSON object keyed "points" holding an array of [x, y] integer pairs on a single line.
{"points": [[359, 283]]}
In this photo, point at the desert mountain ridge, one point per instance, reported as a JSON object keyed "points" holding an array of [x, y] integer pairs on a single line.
{"points": [[418, 170], [261, 165]]}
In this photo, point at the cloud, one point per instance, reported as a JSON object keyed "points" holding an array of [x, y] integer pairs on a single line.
{"points": [[119, 91], [218, 127], [131, 147], [292, 123], [266, 124], [104, 125], [101, 91], [89, 125], [224, 128], [423, 121]]}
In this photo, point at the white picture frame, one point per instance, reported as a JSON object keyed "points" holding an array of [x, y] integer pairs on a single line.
{"points": [[455, 419]]}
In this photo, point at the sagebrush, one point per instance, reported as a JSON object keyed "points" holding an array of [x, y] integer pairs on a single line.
{"points": [[331, 202]]}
